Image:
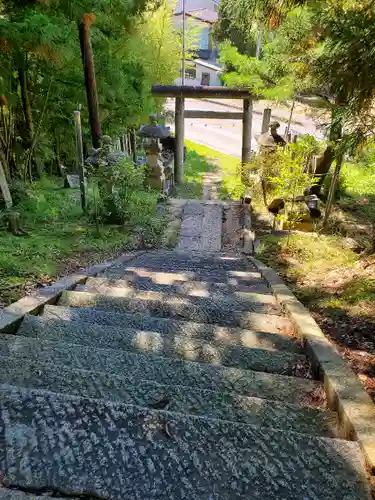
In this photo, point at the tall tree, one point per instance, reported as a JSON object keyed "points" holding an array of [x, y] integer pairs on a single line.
{"points": [[326, 47], [41, 78]]}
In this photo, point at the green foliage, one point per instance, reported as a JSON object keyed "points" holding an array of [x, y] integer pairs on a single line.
{"points": [[60, 238], [58, 234], [282, 174], [115, 184], [118, 196], [282, 71], [291, 180], [239, 20], [325, 47], [134, 45]]}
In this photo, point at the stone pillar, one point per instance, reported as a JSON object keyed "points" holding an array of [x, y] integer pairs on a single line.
{"points": [[266, 120], [155, 167]]}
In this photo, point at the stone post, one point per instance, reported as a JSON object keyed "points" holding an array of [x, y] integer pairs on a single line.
{"points": [[80, 160], [266, 120]]}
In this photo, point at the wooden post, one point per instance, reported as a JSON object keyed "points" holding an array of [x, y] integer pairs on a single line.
{"points": [[246, 130], [90, 80], [314, 165], [180, 140], [332, 188], [259, 41], [5, 188], [133, 141], [80, 160], [266, 120], [290, 118]]}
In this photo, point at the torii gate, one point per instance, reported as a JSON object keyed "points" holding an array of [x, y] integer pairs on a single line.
{"points": [[200, 92]]}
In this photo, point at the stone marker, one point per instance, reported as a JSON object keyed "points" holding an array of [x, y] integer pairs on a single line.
{"points": [[71, 181]]}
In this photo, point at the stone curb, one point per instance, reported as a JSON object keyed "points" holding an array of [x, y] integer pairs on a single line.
{"points": [[11, 316], [345, 392]]}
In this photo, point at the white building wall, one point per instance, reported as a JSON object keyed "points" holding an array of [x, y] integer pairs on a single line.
{"points": [[214, 75], [200, 69]]}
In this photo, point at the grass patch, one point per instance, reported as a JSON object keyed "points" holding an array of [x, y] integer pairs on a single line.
{"points": [[196, 165], [201, 159], [338, 287], [60, 238], [356, 191], [323, 273]]}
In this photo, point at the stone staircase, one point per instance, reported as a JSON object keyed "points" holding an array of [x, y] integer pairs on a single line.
{"points": [[171, 376]]}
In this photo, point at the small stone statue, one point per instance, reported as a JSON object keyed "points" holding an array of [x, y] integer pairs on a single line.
{"points": [[270, 140]]}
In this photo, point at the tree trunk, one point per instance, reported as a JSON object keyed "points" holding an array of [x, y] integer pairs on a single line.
{"points": [[22, 74], [322, 169], [332, 189], [335, 135], [5, 189], [57, 153], [90, 80]]}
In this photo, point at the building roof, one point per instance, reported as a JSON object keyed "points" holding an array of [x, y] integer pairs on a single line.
{"points": [[208, 64], [204, 15]]}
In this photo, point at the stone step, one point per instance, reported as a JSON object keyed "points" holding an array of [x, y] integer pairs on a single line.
{"points": [[214, 312], [174, 346], [161, 370], [81, 446], [279, 326], [241, 301], [205, 267], [220, 277], [159, 259], [162, 282], [8, 494], [181, 399]]}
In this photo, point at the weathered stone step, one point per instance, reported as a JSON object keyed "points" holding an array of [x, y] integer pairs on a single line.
{"points": [[8, 494], [165, 331], [205, 267], [241, 301], [181, 260], [261, 323], [181, 399], [216, 312], [161, 370], [237, 278], [82, 446], [162, 282], [174, 346]]}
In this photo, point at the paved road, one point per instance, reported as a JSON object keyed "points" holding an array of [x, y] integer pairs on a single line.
{"points": [[226, 135]]}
